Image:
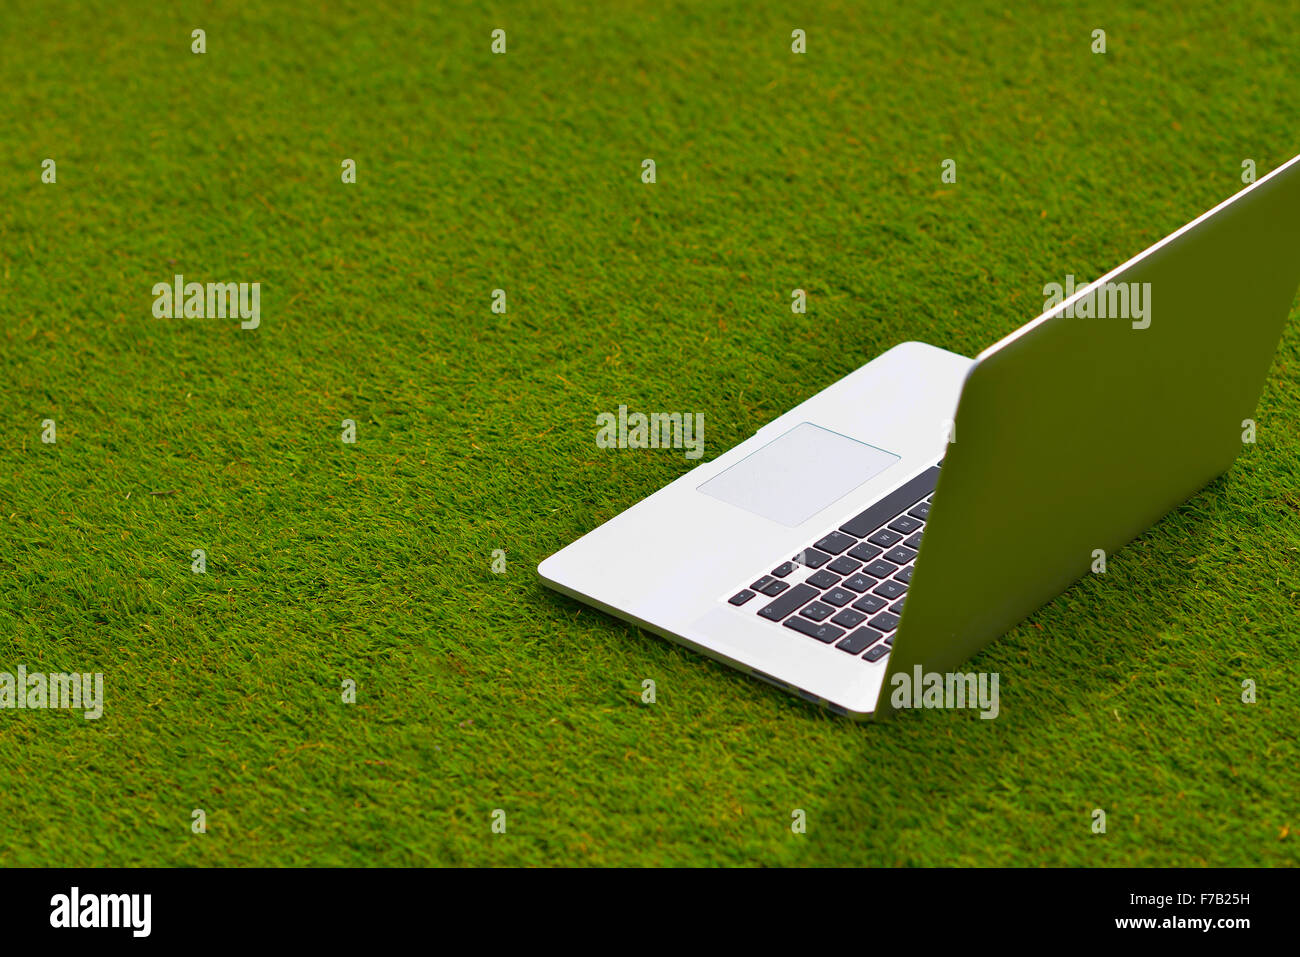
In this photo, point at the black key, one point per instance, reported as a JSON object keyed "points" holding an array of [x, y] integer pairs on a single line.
{"points": [[864, 552], [849, 618], [905, 524], [780, 571], [920, 510], [889, 589], [789, 602], [870, 604], [858, 582], [774, 588], [890, 640], [897, 607], [860, 639], [818, 611], [876, 653], [740, 597], [844, 565], [823, 579], [836, 542], [885, 538], [893, 503], [826, 633], [884, 621], [905, 574], [812, 558], [838, 597], [762, 583], [914, 541], [880, 568], [900, 555]]}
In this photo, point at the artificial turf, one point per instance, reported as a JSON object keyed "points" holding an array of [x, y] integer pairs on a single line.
{"points": [[476, 430]]}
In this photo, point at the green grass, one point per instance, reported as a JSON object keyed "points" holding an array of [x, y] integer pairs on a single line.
{"points": [[476, 431]]}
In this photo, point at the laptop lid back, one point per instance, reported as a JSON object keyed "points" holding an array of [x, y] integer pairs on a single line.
{"points": [[1081, 429]]}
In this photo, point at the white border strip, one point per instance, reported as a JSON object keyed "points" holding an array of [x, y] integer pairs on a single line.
{"points": [[1061, 306]]}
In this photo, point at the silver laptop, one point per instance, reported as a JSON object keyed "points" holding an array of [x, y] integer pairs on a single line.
{"points": [[921, 506]]}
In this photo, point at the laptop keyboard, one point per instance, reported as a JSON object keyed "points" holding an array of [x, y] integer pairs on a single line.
{"points": [[847, 589]]}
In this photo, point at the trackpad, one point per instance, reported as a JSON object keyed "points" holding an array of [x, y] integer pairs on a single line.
{"points": [[798, 474]]}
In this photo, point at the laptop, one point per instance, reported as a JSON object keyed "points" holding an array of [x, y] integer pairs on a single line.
{"points": [[922, 505]]}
